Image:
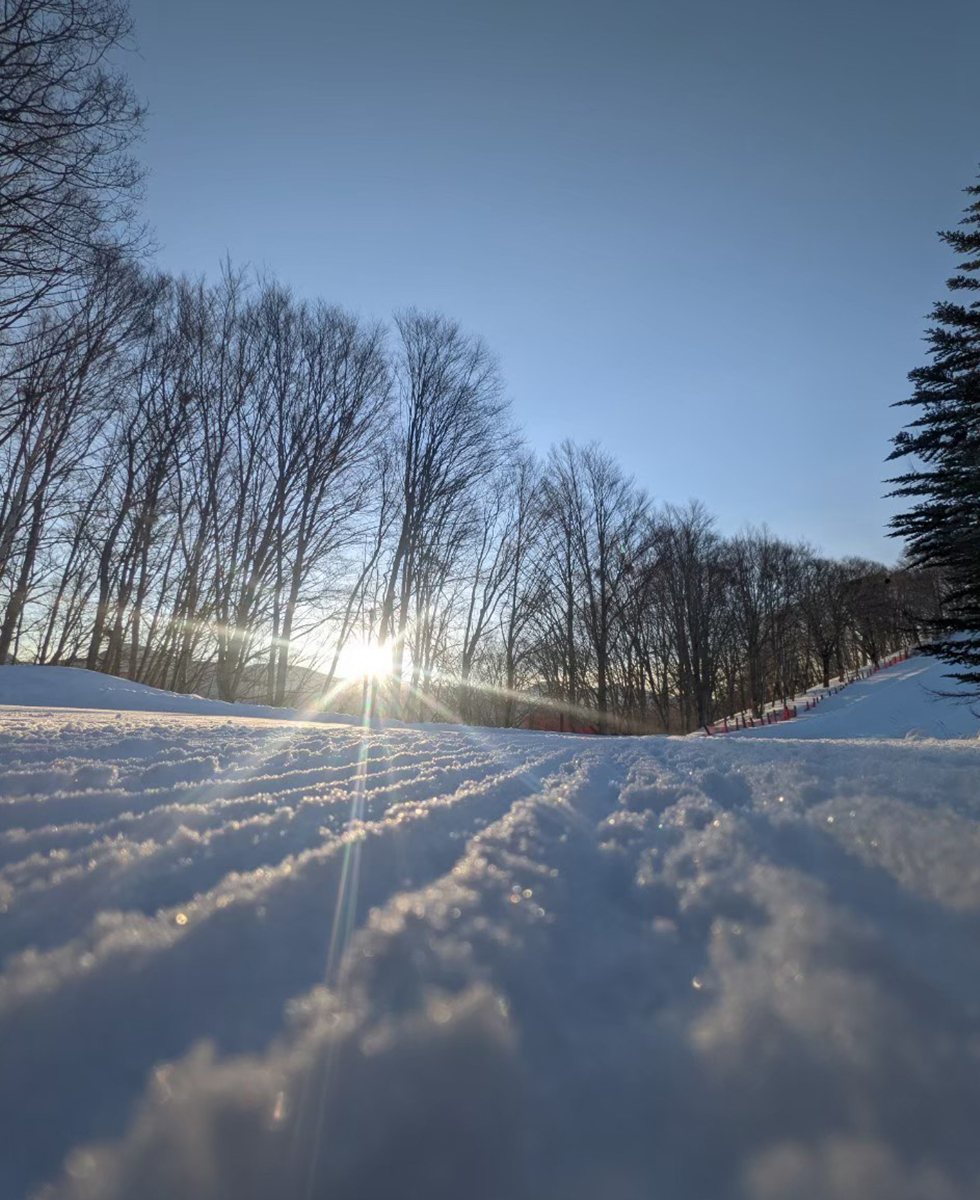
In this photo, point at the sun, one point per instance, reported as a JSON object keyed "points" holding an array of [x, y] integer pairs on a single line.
{"points": [[362, 660]]}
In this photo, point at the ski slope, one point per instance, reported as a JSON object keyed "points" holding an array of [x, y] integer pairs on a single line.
{"points": [[244, 958], [914, 698]]}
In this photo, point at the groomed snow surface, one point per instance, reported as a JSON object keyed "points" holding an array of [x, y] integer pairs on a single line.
{"points": [[250, 959], [914, 698]]}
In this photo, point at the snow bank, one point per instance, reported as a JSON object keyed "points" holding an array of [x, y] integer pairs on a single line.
{"points": [[74, 687], [247, 959]]}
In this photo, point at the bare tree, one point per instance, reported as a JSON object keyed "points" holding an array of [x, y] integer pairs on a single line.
{"points": [[499, 539], [452, 436], [751, 561], [604, 515], [330, 389], [68, 118], [690, 582], [823, 601], [67, 378], [523, 582]]}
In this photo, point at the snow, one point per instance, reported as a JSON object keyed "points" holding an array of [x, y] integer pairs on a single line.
{"points": [[74, 687], [914, 698], [245, 958]]}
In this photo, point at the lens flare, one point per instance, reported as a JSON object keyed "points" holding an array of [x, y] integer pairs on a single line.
{"points": [[364, 660]]}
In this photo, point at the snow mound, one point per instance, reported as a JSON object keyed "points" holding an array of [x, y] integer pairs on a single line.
{"points": [[913, 699], [74, 687], [243, 959]]}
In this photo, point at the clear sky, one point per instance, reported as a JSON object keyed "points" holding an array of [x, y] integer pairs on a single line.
{"points": [[701, 232]]}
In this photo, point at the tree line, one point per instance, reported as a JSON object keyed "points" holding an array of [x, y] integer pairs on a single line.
{"points": [[221, 487]]}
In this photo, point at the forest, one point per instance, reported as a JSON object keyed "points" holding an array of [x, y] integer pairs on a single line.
{"points": [[220, 488]]}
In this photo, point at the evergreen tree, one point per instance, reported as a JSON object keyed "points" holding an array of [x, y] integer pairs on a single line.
{"points": [[942, 528]]}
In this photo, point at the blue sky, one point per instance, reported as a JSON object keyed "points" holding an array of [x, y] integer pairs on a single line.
{"points": [[702, 233]]}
